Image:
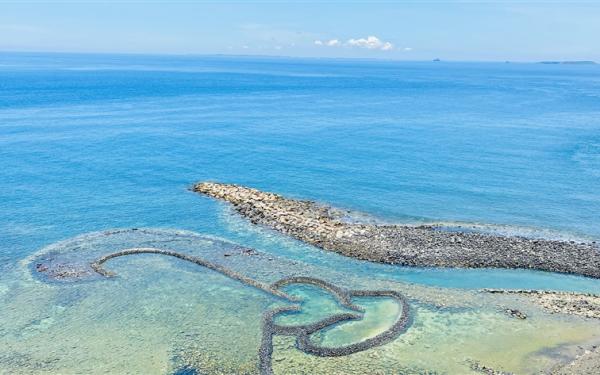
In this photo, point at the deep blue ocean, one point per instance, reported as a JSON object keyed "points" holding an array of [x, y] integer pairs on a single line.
{"points": [[91, 142]]}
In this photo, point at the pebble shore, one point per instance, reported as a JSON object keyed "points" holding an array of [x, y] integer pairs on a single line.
{"points": [[422, 246]]}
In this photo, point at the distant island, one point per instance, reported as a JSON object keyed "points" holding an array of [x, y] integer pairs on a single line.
{"points": [[583, 62]]}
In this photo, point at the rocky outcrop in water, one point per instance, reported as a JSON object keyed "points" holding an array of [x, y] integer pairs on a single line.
{"points": [[486, 370], [585, 305], [422, 246]]}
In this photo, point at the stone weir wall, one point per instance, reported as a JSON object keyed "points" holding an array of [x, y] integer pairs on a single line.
{"points": [[422, 246]]}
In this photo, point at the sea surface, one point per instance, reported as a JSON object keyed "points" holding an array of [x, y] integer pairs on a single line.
{"points": [[91, 143]]}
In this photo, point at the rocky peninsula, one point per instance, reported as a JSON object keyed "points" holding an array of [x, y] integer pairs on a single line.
{"points": [[421, 246]]}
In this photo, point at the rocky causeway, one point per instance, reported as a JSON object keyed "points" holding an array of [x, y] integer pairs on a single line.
{"points": [[421, 246]]}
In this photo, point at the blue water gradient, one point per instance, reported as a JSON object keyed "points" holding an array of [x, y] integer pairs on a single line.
{"points": [[89, 142]]}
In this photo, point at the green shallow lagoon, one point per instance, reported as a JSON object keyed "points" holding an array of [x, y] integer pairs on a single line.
{"points": [[161, 314]]}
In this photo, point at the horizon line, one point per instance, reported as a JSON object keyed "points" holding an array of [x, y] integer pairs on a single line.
{"points": [[194, 54]]}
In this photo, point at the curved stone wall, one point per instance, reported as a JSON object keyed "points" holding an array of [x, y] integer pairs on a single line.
{"points": [[300, 332]]}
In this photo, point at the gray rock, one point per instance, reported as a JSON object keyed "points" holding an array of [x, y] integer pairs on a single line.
{"points": [[423, 246]]}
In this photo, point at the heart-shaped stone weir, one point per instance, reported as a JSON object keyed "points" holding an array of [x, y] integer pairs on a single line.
{"points": [[302, 332]]}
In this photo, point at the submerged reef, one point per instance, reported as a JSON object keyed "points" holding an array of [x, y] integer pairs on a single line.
{"points": [[423, 246], [301, 332]]}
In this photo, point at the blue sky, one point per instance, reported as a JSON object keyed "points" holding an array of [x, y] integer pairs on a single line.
{"points": [[409, 30]]}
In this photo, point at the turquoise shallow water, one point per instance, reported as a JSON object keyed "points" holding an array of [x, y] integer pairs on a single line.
{"points": [[91, 142], [94, 142]]}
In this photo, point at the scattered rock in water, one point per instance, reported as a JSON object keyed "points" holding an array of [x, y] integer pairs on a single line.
{"points": [[61, 271], [585, 305], [245, 251], [186, 371], [41, 267], [478, 367], [423, 246], [516, 314]]}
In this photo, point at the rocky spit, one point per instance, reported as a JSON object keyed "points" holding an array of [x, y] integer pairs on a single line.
{"points": [[422, 246]]}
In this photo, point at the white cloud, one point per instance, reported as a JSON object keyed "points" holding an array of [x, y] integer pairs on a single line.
{"points": [[387, 46], [328, 43], [408, 49], [370, 42]]}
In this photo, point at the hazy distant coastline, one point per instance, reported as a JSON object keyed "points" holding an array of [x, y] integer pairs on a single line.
{"points": [[582, 62]]}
